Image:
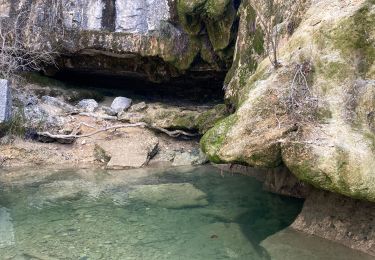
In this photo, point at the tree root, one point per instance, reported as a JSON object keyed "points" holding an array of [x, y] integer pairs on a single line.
{"points": [[70, 138]]}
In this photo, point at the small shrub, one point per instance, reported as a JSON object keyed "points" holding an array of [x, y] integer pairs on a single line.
{"points": [[16, 126]]}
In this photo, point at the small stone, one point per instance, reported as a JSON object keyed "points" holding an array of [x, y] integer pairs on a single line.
{"points": [[109, 111], [138, 107], [131, 117], [88, 105], [120, 104]]}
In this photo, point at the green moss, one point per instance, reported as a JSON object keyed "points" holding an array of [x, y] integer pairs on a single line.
{"points": [[208, 119], [215, 8], [354, 37], [217, 16], [184, 122], [16, 126], [213, 140], [219, 30]]}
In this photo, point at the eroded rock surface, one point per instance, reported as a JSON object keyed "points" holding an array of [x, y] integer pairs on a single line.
{"points": [[323, 133], [147, 38], [347, 221]]}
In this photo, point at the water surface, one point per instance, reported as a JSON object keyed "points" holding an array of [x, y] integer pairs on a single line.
{"points": [[179, 213]]}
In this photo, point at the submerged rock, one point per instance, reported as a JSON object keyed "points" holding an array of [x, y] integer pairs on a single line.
{"points": [[5, 101], [293, 245], [120, 104], [171, 195], [6, 229]]}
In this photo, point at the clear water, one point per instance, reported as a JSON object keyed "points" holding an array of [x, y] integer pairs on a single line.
{"points": [[180, 213]]}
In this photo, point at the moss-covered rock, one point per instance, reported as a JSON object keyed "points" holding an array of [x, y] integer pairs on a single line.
{"points": [[330, 144], [213, 140], [208, 119]]}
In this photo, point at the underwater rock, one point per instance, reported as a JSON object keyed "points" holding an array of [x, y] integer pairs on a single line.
{"points": [[293, 245], [171, 195], [6, 229]]}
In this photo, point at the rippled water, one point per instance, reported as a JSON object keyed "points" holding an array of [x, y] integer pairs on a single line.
{"points": [[180, 213]]}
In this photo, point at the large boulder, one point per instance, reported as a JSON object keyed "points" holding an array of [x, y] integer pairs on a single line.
{"points": [[5, 101], [315, 113]]}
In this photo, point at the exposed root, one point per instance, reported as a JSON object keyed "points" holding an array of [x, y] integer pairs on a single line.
{"points": [[70, 138]]}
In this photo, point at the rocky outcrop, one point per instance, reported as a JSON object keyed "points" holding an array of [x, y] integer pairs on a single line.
{"points": [[344, 220], [321, 129], [144, 38], [5, 101]]}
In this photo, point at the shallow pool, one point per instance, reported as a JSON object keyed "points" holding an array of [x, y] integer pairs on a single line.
{"points": [[179, 213]]}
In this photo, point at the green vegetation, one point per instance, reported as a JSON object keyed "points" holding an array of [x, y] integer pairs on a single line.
{"points": [[14, 127], [214, 138]]}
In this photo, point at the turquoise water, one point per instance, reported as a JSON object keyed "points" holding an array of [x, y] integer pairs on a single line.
{"points": [[180, 213]]}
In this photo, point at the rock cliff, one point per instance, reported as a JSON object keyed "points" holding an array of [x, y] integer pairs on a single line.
{"points": [[148, 38], [315, 113]]}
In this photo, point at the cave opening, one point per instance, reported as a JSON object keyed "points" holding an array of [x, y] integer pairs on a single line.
{"points": [[200, 90]]}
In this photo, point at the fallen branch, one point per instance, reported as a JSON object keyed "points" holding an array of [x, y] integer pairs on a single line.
{"points": [[70, 138], [103, 117]]}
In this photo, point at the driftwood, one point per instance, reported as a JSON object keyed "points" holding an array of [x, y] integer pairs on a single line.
{"points": [[70, 138]]}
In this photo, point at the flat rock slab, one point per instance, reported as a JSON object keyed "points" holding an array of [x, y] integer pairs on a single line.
{"points": [[5, 101], [132, 152], [293, 245], [171, 195], [6, 229]]}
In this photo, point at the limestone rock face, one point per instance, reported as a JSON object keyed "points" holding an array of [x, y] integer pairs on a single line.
{"points": [[5, 101], [344, 220], [129, 37], [322, 129]]}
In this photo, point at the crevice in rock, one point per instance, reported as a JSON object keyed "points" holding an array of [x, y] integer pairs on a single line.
{"points": [[109, 15]]}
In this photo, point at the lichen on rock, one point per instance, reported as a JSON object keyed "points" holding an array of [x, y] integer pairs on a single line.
{"points": [[330, 146]]}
